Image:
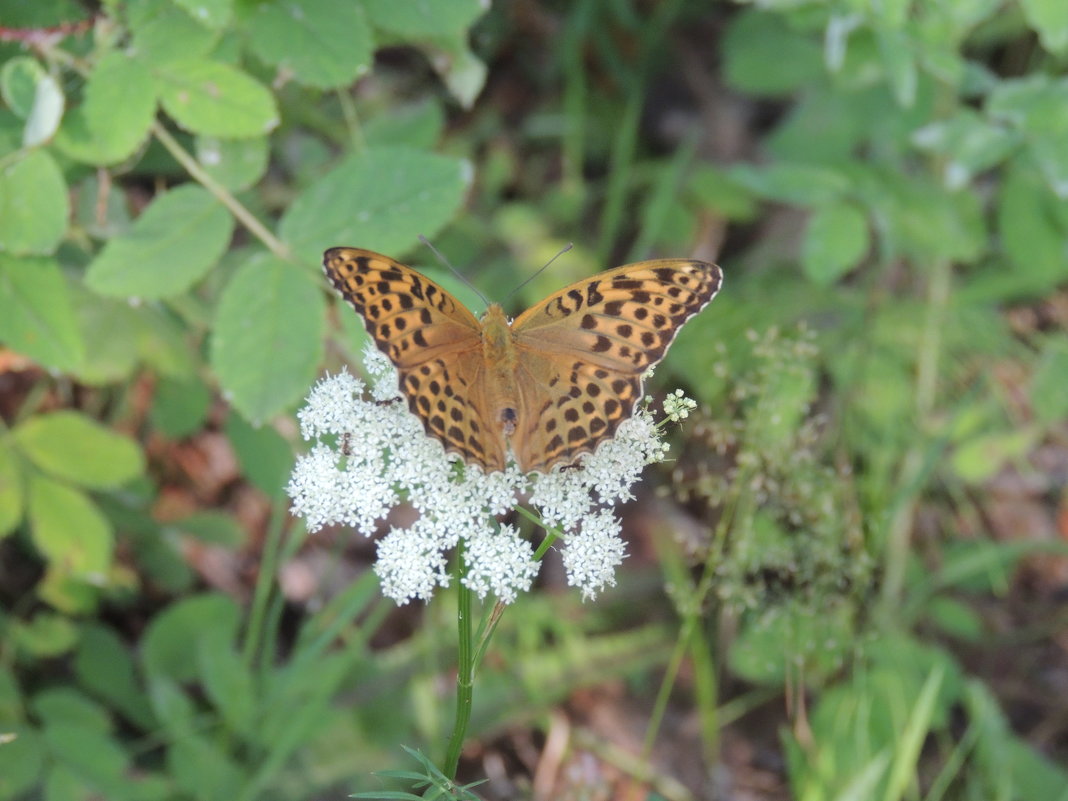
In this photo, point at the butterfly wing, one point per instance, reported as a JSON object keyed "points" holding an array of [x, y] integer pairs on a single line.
{"points": [[583, 352], [434, 341]]}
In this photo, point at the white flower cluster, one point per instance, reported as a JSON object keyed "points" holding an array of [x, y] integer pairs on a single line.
{"points": [[371, 453], [677, 406]]}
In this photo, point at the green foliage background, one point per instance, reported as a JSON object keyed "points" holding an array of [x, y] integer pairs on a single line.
{"points": [[170, 172]]}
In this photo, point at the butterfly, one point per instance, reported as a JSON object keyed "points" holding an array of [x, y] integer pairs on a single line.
{"points": [[549, 386]]}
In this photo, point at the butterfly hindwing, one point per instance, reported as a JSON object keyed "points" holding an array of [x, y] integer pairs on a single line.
{"points": [[574, 406], [448, 394]]}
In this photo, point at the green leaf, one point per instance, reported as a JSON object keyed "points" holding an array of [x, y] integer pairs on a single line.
{"points": [[95, 758], [235, 163], [22, 760], [11, 701], [1048, 398], [68, 705], [69, 592], [69, 529], [981, 566], [177, 239], [213, 14], [463, 73], [265, 457], [171, 705], [11, 491], [163, 343], [163, 564], [229, 683], [113, 120], [976, 460], [114, 328], [804, 136], [163, 33], [64, 783], [799, 184], [104, 666], [321, 43], [763, 56], [712, 188], [268, 336], [899, 62], [36, 313], [418, 125], [215, 99], [34, 96], [34, 206], [424, 18], [955, 618], [925, 221], [1050, 19], [1049, 153], [921, 721], [100, 210], [214, 528], [835, 240], [381, 199], [969, 143], [792, 634], [203, 770], [170, 645], [1035, 102], [78, 449], [47, 112], [1038, 106], [45, 636], [18, 84], [18, 14], [1030, 235], [1034, 774], [180, 407]]}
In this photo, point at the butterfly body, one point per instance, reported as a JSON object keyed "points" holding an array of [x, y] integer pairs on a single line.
{"points": [[550, 385], [499, 360]]}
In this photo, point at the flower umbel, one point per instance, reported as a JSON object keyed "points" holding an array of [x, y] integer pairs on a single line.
{"points": [[677, 406], [370, 454]]}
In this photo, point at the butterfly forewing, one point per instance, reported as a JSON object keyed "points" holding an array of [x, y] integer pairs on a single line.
{"points": [[410, 318], [586, 347], [434, 341]]}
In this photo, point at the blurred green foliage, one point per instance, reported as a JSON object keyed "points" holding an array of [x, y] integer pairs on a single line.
{"points": [[170, 172]]}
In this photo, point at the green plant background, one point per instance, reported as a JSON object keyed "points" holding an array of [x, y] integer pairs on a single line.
{"points": [[886, 187]]}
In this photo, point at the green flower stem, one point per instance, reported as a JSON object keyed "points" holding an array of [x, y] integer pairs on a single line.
{"points": [[486, 629], [254, 634], [352, 121], [465, 669], [692, 614], [469, 659], [551, 534], [919, 460], [624, 146], [220, 192]]}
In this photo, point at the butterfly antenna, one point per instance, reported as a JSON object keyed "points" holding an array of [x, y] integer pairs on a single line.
{"points": [[563, 250], [454, 271]]}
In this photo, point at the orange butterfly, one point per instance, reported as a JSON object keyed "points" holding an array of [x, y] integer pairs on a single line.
{"points": [[551, 385]]}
